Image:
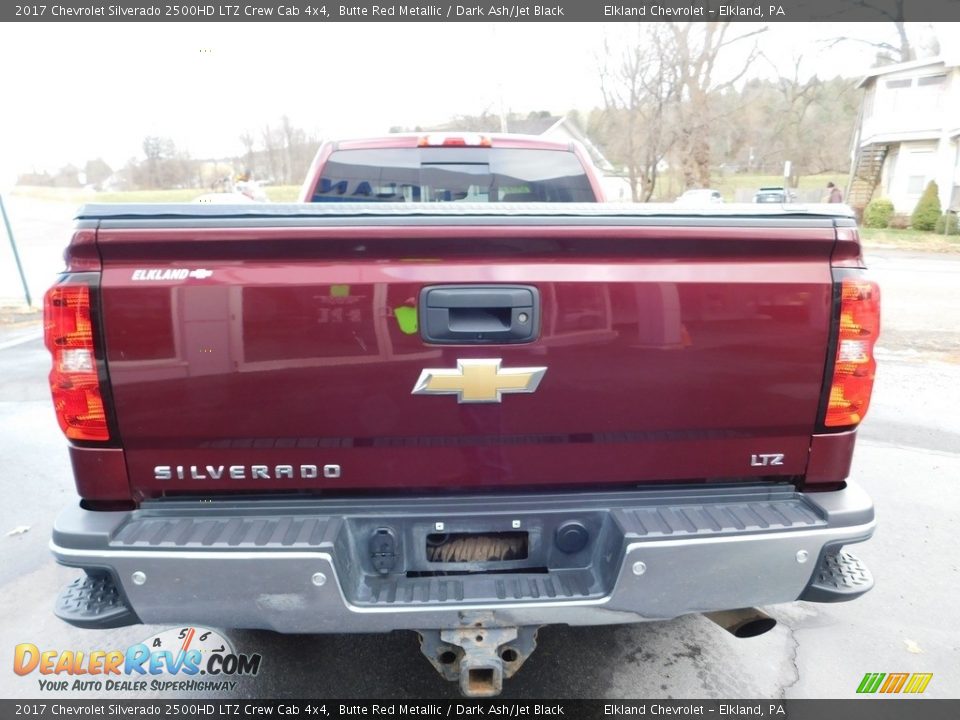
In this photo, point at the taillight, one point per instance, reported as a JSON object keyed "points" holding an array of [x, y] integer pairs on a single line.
{"points": [[74, 382], [855, 365]]}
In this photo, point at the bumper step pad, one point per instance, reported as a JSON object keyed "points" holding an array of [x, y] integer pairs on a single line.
{"points": [[94, 602], [841, 577]]}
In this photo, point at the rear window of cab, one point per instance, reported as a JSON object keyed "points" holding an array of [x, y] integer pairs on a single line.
{"points": [[452, 174]]}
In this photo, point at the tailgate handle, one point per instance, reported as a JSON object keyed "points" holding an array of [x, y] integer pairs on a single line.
{"points": [[479, 314]]}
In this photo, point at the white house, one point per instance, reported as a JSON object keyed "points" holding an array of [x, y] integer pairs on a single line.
{"points": [[908, 134]]}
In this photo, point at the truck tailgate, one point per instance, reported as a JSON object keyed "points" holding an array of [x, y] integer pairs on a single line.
{"points": [[248, 354]]}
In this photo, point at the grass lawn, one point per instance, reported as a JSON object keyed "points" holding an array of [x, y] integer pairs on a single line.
{"points": [[283, 193], [728, 184], [910, 239], [668, 187]]}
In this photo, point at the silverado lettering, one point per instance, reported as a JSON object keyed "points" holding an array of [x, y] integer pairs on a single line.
{"points": [[655, 408], [242, 472]]}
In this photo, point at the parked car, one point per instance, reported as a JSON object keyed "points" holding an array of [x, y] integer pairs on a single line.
{"points": [[699, 197], [776, 194]]}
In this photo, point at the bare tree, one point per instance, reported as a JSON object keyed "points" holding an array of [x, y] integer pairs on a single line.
{"points": [[67, 176], [798, 117], [164, 166], [270, 149], [809, 125], [97, 171], [696, 48], [288, 133], [247, 140], [893, 11], [887, 52], [790, 123], [158, 170], [640, 91], [154, 151], [280, 154]]}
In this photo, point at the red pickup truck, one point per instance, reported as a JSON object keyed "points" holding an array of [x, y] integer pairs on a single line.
{"points": [[466, 419], [452, 167]]}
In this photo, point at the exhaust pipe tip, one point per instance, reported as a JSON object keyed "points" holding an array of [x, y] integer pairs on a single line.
{"points": [[755, 628], [743, 622]]}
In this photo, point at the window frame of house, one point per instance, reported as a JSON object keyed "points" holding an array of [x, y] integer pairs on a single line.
{"points": [[893, 93], [899, 83], [921, 185], [937, 78]]}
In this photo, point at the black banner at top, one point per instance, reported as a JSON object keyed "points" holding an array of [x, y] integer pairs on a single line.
{"points": [[483, 11]]}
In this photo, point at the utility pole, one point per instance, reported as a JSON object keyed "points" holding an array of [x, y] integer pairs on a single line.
{"points": [[16, 255]]}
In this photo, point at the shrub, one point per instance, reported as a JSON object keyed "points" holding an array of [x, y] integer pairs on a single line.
{"points": [[928, 209], [878, 213], [900, 222], [947, 225]]}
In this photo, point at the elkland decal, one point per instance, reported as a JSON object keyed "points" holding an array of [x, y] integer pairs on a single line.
{"points": [[171, 661], [170, 274]]}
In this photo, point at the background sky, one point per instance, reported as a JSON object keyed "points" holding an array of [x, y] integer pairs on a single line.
{"points": [[72, 92]]}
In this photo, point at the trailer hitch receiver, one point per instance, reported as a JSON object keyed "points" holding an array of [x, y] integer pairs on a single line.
{"points": [[477, 655]]}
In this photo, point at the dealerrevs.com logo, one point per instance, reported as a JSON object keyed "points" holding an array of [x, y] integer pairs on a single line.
{"points": [[181, 659]]}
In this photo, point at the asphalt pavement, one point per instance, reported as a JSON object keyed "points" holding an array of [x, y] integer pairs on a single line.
{"points": [[908, 458]]}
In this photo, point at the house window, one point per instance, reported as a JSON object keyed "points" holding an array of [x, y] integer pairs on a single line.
{"points": [[894, 97], [915, 184], [929, 94]]}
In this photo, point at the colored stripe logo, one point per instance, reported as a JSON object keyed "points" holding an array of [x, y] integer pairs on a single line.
{"points": [[913, 683]]}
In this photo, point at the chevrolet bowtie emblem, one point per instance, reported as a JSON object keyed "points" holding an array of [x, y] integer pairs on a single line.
{"points": [[478, 381]]}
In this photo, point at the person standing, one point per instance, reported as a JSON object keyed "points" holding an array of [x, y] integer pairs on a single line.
{"points": [[834, 194]]}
